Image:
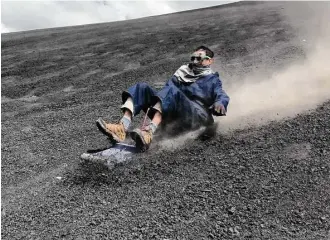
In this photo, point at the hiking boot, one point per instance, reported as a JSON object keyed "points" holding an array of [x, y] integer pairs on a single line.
{"points": [[115, 132], [142, 138]]}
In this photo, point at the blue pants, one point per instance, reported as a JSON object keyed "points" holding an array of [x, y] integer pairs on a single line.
{"points": [[176, 106]]}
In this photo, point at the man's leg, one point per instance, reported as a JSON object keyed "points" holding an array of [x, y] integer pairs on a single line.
{"points": [[171, 103], [177, 106], [136, 98], [143, 136]]}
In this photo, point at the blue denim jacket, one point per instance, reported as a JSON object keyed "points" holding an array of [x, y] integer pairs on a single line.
{"points": [[206, 90]]}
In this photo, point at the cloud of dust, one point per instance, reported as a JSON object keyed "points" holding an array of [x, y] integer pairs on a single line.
{"points": [[299, 87]]}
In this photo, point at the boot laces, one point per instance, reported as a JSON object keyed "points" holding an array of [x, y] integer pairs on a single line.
{"points": [[145, 126]]}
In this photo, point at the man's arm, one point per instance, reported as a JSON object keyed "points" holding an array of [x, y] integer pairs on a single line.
{"points": [[221, 99]]}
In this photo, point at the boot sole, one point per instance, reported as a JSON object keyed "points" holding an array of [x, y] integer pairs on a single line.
{"points": [[112, 137]]}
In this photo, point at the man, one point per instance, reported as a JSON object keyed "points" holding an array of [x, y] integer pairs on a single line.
{"points": [[189, 98]]}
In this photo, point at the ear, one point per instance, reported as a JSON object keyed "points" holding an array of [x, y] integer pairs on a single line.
{"points": [[211, 60]]}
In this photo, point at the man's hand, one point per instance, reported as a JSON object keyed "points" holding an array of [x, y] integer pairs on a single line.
{"points": [[219, 108]]}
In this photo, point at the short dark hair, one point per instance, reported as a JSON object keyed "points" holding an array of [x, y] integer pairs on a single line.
{"points": [[208, 51]]}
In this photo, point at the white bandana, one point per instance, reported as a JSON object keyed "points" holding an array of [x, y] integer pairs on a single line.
{"points": [[190, 72]]}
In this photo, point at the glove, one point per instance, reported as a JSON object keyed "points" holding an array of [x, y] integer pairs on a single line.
{"points": [[218, 109]]}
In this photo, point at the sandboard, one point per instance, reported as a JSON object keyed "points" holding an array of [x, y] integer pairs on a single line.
{"points": [[118, 153]]}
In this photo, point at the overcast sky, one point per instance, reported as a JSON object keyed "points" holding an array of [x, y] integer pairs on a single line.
{"points": [[29, 15]]}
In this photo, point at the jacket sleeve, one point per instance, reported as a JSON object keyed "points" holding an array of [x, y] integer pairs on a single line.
{"points": [[219, 94]]}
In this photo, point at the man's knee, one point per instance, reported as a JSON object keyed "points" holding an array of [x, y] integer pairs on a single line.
{"points": [[168, 92], [142, 85], [137, 87]]}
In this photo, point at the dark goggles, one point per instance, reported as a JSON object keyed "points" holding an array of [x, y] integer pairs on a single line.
{"points": [[199, 58]]}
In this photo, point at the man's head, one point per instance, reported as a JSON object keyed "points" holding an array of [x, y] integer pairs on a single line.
{"points": [[202, 56]]}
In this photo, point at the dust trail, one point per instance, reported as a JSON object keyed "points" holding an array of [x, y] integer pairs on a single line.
{"points": [[298, 88], [179, 141]]}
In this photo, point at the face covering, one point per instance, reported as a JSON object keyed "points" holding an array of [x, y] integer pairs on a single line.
{"points": [[191, 72], [198, 68]]}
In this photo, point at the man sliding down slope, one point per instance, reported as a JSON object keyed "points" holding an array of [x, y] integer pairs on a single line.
{"points": [[190, 97]]}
